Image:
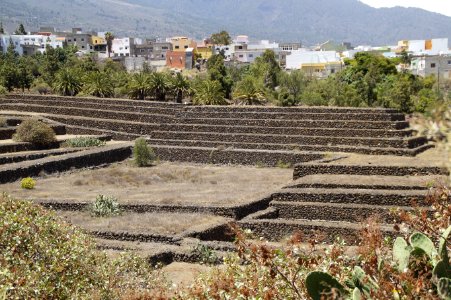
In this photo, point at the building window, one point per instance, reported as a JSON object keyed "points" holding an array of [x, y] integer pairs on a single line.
{"points": [[432, 65], [240, 47], [177, 47], [251, 55], [164, 48], [75, 40], [332, 71], [69, 41], [449, 62], [186, 47], [241, 55], [82, 40], [82, 47]]}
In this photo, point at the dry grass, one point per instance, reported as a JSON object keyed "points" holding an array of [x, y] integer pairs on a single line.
{"points": [[146, 223], [165, 183]]}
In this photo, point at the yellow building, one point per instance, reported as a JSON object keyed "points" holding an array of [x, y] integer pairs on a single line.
{"points": [[98, 40], [205, 51], [181, 43]]}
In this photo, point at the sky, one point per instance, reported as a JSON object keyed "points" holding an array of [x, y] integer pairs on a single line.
{"points": [[440, 6]]}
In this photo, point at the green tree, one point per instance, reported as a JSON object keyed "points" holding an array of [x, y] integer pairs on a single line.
{"points": [[249, 91], [159, 85], [221, 38], [20, 30], [109, 37], [67, 82], [218, 72], [396, 91], [24, 74], [208, 92], [99, 84], [139, 86], [179, 85], [294, 81], [266, 69]]}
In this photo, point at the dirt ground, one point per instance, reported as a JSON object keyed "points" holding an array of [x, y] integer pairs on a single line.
{"points": [[146, 223], [164, 183]]}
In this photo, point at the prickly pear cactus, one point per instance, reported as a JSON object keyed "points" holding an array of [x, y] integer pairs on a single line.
{"points": [[444, 288], [421, 241], [401, 253], [320, 284]]}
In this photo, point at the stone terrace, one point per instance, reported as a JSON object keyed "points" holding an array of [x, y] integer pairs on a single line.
{"points": [[237, 135]]}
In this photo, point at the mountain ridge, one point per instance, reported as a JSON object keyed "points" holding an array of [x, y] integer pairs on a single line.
{"points": [[309, 21]]}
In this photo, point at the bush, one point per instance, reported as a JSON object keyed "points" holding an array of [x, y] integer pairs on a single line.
{"points": [[82, 142], [43, 257], [105, 206], [28, 183], [142, 153], [35, 132]]}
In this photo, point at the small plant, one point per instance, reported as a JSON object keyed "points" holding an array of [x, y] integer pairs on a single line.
{"points": [[105, 206], [3, 122], [143, 154], [260, 165], [35, 132], [28, 183], [83, 142], [41, 87], [205, 254], [283, 165], [2, 90]]}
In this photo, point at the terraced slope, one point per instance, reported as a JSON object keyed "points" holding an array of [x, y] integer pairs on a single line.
{"points": [[237, 135]]}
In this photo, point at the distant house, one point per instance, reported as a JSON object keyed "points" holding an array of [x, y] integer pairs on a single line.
{"points": [[438, 65], [315, 63], [152, 50], [182, 43], [180, 60], [125, 46], [424, 47], [29, 44]]}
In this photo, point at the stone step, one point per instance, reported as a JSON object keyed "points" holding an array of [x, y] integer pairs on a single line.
{"points": [[384, 170], [127, 102], [32, 155], [322, 231], [295, 116], [352, 196], [94, 104], [146, 128], [412, 142], [307, 131], [93, 113], [293, 147], [297, 109], [80, 159], [328, 181], [252, 157], [336, 211], [312, 123], [115, 135]]}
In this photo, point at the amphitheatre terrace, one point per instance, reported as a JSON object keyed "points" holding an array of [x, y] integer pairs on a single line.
{"points": [[274, 170]]}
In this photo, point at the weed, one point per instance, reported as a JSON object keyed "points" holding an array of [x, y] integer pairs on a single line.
{"points": [[260, 164], [3, 122], [105, 206], [83, 142], [28, 183], [283, 165], [205, 254]]}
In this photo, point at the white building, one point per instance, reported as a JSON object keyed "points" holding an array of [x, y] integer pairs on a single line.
{"points": [[315, 63], [124, 46], [425, 47], [29, 44]]}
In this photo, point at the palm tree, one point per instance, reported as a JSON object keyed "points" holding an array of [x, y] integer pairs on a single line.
{"points": [[208, 92], [249, 92], [67, 82], [109, 37], [159, 85], [179, 85], [99, 84], [139, 86]]}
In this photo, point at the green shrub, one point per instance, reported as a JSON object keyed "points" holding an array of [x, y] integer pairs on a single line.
{"points": [[105, 206], [283, 165], [42, 88], [35, 132], [143, 154], [43, 257], [28, 183], [81, 142]]}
